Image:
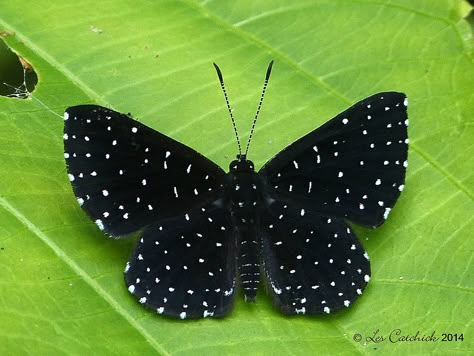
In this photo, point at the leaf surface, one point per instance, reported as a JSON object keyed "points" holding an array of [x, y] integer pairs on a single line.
{"points": [[62, 289]]}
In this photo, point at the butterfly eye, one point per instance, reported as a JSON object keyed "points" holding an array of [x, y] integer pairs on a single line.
{"points": [[233, 165]]}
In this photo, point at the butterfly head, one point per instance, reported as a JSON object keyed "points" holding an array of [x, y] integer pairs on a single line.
{"points": [[241, 164]]}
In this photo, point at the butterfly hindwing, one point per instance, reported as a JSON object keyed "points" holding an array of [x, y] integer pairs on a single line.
{"points": [[313, 263], [126, 175], [352, 167], [185, 267]]}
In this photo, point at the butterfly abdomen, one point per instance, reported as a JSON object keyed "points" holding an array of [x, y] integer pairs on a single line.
{"points": [[249, 266], [244, 193]]}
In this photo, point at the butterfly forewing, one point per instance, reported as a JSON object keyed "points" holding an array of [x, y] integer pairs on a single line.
{"points": [[185, 267], [126, 175], [353, 166], [313, 262]]}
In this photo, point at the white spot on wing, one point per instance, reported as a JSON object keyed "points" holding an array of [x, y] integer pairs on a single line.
{"points": [[275, 289], [300, 311], [99, 223]]}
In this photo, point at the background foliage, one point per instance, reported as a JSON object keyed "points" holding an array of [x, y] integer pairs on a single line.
{"points": [[61, 280]]}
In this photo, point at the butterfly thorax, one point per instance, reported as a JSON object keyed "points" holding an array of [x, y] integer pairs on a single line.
{"points": [[244, 193]]}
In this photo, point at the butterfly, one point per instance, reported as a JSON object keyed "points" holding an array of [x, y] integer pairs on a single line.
{"points": [[204, 233]]}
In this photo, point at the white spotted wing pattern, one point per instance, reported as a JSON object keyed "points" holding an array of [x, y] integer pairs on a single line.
{"points": [[313, 263], [352, 167], [203, 232], [120, 169], [186, 268]]}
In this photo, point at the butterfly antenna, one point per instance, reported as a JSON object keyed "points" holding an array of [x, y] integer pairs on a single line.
{"points": [[221, 79], [265, 83]]}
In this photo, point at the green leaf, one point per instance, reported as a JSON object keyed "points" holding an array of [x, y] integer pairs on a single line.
{"points": [[62, 289]]}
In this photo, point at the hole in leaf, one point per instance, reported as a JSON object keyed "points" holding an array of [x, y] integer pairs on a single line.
{"points": [[17, 77]]}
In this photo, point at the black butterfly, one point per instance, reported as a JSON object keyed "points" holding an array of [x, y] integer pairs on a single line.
{"points": [[203, 232]]}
